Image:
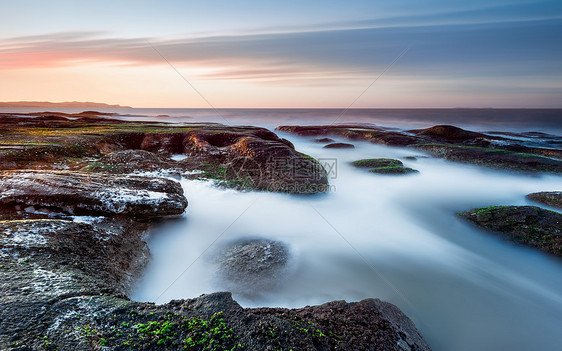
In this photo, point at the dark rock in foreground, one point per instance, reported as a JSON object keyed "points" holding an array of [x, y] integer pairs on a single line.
{"points": [[527, 225], [46, 263], [78, 193], [251, 267], [63, 286], [384, 166], [550, 198], [339, 146]]}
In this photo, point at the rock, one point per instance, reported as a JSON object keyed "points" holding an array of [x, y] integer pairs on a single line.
{"points": [[414, 158], [528, 225], [62, 287], [254, 158], [383, 166], [131, 162], [250, 267], [549, 198], [77, 193], [383, 326], [447, 133], [456, 144], [494, 158], [43, 262], [324, 140], [393, 170], [377, 162], [245, 158], [356, 132], [339, 146]]}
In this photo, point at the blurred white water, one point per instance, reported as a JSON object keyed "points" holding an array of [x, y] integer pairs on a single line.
{"points": [[464, 289]]}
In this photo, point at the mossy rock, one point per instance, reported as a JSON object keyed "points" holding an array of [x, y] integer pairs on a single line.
{"points": [[527, 225], [376, 163], [383, 166], [393, 170]]}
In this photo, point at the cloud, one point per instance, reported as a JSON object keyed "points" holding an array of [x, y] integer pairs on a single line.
{"points": [[498, 49]]}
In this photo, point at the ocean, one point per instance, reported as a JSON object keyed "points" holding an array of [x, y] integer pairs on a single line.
{"points": [[394, 238]]}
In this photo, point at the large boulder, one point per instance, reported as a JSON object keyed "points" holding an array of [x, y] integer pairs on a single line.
{"points": [[254, 158], [78, 193], [527, 225]]}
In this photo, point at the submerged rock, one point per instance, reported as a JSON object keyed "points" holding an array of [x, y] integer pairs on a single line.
{"points": [[339, 146], [251, 267], [550, 198], [324, 140], [383, 166], [528, 225], [78, 193], [63, 286]]}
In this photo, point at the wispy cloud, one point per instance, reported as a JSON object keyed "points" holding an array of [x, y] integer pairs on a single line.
{"points": [[492, 49]]}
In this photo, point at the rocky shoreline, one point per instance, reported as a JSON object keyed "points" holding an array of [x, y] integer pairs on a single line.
{"points": [[77, 197], [525, 152]]}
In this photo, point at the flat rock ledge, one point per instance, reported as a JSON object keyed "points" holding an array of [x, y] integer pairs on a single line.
{"points": [[526, 225], [239, 157], [521, 152], [63, 286], [549, 198], [78, 193]]}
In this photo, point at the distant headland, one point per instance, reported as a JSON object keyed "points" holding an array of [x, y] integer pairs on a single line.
{"points": [[67, 104]]}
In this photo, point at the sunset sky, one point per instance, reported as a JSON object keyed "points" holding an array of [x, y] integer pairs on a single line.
{"points": [[283, 53]]}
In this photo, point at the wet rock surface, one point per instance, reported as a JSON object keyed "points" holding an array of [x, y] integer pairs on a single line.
{"points": [[339, 146], [47, 262], [245, 158], [251, 267], [64, 283], [550, 198], [77, 193], [132, 162], [527, 225], [383, 166], [525, 152], [324, 140]]}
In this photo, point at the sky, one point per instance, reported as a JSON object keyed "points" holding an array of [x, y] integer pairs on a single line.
{"points": [[283, 54]]}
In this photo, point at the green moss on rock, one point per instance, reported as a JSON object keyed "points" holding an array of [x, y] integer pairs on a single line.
{"points": [[383, 166], [527, 225]]}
